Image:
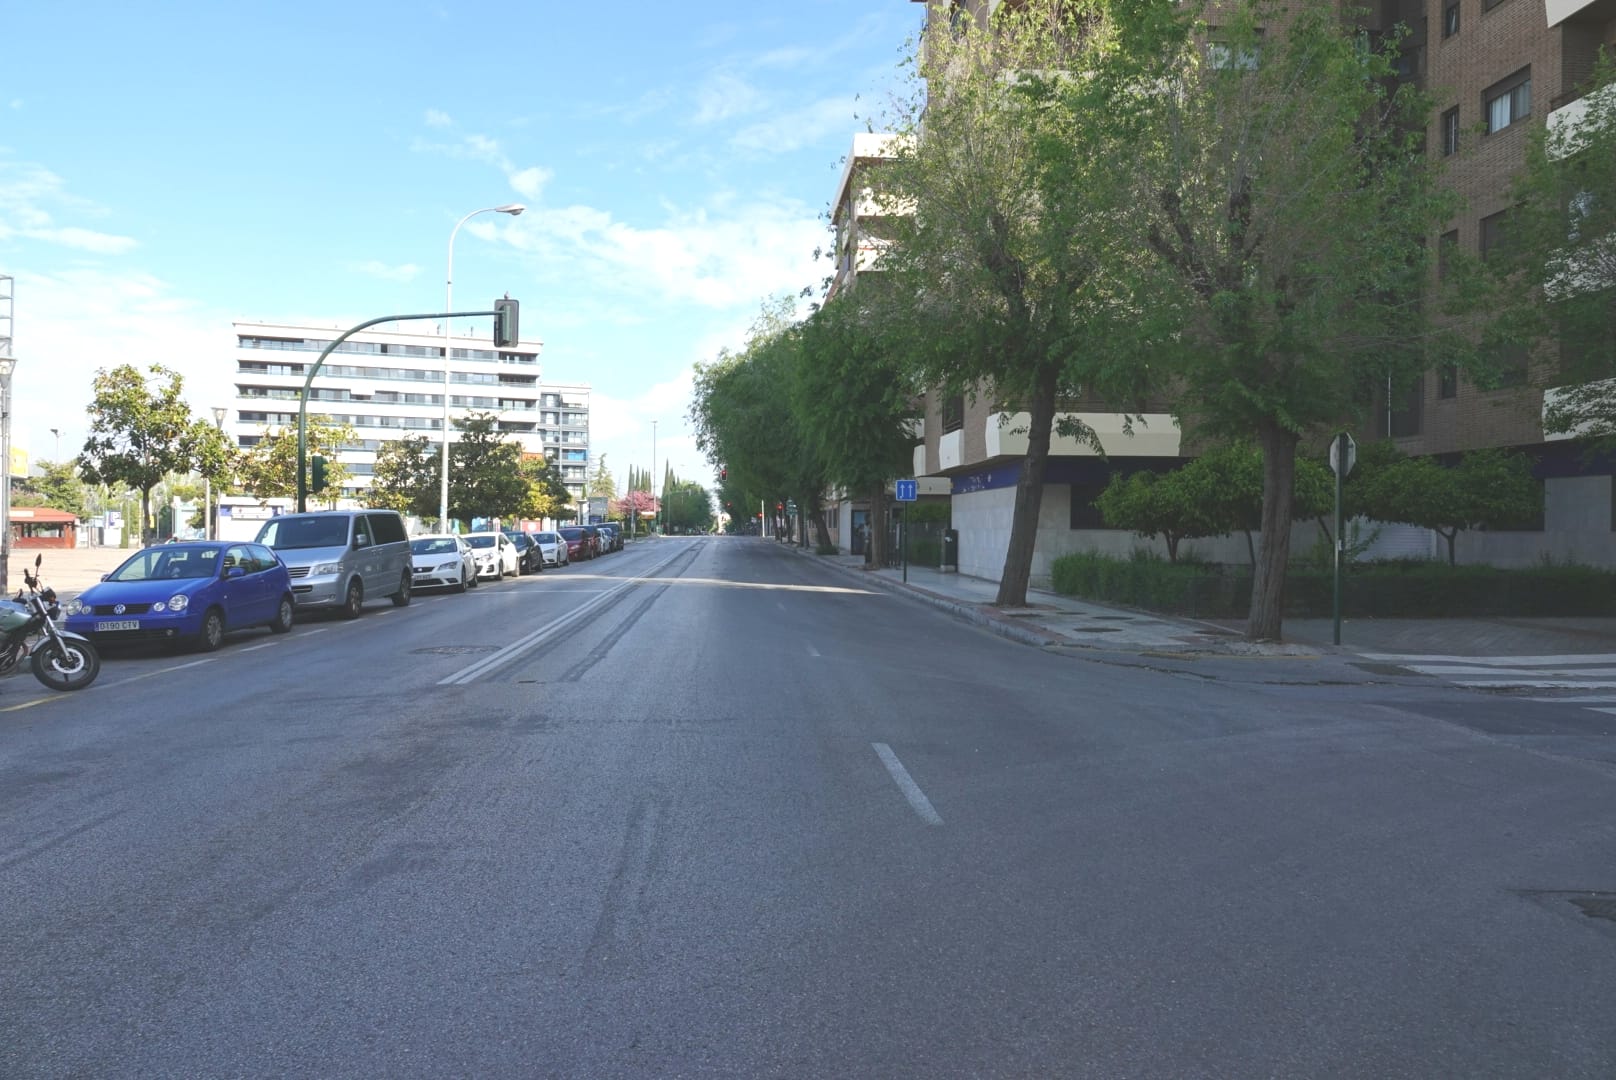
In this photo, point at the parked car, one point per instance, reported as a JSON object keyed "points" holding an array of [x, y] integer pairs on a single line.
{"points": [[611, 536], [338, 558], [441, 561], [580, 542], [528, 558], [552, 547], [495, 554], [186, 592]]}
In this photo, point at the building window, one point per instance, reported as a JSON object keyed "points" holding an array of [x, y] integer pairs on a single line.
{"points": [[1084, 514], [1488, 5], [1450, 132], [1447, 382], [1446, 246], [1493, 232], [1226, 57], [953, 413], [1405, 421], [1450, 19], [1507, 102]]}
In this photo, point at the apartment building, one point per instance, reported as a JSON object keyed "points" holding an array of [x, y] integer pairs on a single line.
{"points": [[1496, 67], [388, 382]]}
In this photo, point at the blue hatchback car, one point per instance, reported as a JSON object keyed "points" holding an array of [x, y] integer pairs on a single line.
{"points": [[192, 593]]}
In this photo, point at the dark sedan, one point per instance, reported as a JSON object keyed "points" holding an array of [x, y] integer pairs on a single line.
{"points": [[529, 559], [581, 542]]}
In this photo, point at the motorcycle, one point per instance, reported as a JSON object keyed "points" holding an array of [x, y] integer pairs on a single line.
{"points": [[61, 660]]}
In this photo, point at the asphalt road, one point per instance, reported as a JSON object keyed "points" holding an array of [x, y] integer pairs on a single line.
{"points": [[706, 808]]}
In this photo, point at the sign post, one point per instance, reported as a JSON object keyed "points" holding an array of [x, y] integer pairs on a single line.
{"points": [[1343, 455], [905, 491]]}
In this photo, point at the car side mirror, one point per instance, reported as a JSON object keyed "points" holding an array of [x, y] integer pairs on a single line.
{"points": [[361, 541], [234, 572], [106, 577]]}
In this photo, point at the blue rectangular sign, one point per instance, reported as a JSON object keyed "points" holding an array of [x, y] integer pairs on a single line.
{"points": [[906, 490]]}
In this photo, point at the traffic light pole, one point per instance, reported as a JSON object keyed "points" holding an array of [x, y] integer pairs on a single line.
{"points": [[308, 380]]}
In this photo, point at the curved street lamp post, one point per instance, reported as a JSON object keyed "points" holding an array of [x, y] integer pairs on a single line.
{"points": [[512, 209]]}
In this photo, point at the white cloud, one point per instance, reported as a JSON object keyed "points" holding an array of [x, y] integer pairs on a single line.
{"points": [[793, 130], [73, 322], [31, 195], [378, 269], [437, 118], [16, 103], [531, 181], [719, 258], [724, 96]]}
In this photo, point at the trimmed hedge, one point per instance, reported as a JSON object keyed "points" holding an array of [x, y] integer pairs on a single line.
{"points": [[1369, 590]]}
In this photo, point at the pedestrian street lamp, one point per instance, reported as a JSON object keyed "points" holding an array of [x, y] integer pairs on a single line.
{"points": [[210, 531], [512, 209], [8, 365]]}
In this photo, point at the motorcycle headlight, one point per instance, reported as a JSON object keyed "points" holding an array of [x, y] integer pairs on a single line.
{"points": [[326, 568], [178, 602]]}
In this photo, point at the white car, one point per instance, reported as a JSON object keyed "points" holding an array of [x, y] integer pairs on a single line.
{"points": [[553, 547], [496, 555], [442, 561]]}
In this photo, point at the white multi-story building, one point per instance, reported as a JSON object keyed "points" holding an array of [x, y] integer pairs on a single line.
{"points": [[388, 382]]}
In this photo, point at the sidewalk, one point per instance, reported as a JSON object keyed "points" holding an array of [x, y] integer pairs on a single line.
{"points": [[1050, 619], [67, 570]]}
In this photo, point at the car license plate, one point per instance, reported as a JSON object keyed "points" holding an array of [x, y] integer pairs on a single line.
{"points": [[118, 624]]}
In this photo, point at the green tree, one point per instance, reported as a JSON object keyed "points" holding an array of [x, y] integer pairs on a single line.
{"points": [[485, 472], [1288, 231], [268, 468], [548, 496], [1153, 505], [1488, 488], [743, 415], [58, 486], [407, 476], [601, 483], [140, 431], [855, 400], [1005, 250]]}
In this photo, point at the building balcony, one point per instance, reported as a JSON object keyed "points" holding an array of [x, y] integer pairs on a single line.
{"points": [[1560, 11]]}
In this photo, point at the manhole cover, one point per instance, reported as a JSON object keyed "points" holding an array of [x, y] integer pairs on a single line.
{"points": [[454, 650], [1112, 618], [1596, 907], [1096, 630]]}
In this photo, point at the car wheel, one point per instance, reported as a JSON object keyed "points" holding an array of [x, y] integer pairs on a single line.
{"points": [[212, 635], [283, 616], [354, 602], [402, 597], [460, 582], [476, 579]]}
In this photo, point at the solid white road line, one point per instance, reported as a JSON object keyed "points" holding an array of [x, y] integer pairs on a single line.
{"points": [[1561, 672], [1495, 661], [907, 785], [1581, 699], [1541, 684], [812, 651], [255, 648]]}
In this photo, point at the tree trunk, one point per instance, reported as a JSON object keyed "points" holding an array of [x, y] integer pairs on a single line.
{"points": [[1450, 537], [875, 550], [821, 531], [1251, 549], [146, 527], [1029, 492], [1268, 581], [1172, 546]]}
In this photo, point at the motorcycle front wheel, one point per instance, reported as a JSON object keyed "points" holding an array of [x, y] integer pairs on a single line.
{"points": [[66, 665]]}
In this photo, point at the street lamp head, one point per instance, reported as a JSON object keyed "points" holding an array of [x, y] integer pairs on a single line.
{"points": [[512, 209], [8, 364], [218, 415]]}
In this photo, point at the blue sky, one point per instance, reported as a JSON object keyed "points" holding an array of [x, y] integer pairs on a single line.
{"points": [[167, 168]]}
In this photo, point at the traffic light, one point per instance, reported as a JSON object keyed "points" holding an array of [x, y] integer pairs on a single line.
{"points": [[505, 320], [316, 474], [779, 506], [723, 473]]}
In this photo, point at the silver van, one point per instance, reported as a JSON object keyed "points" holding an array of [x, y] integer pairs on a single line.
{"points": [[341, 558]]}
